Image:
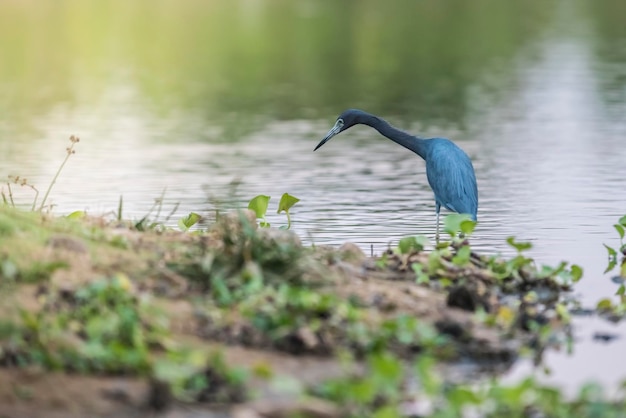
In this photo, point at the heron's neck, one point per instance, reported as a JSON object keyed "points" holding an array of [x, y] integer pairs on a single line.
{"points": [[415, 144]]}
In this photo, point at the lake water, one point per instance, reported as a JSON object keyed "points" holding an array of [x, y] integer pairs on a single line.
{"points": [[186, 99]]}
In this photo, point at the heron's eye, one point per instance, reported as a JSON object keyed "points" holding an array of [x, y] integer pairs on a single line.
{"points": [[340, 123]]}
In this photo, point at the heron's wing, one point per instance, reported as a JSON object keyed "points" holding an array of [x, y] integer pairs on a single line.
{"points": [[451, 176]]}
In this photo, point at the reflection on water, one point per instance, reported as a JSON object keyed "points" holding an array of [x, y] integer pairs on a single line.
{"points": [[204, 95]]}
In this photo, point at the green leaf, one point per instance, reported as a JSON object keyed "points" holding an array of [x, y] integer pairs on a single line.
{"points": [[259, 205], [428, 375], [408, 244], [188, 221], [286, 202], [622, 221], [467, 226], [462, 255], [612, 252], [518, 245], [604, 305], [442, 245], [174, 372], [387, 411], [621, 291], [421, 277], [363, 391], [77, 214], [386, 367], [620, 230], [460, 396], [577, 272], [611, 266], [458, 222]]}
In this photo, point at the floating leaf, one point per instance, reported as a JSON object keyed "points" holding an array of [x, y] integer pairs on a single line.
{"points": [[259, 205], [577, 272], [286, 202], [518, 245], [604, 305], [188, 221], [620, 230]]}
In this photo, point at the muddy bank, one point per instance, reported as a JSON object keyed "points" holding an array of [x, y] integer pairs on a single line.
{"points": [[99, 317]]}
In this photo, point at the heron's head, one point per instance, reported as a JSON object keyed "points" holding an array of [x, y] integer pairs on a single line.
{"points": [[346, 120]]}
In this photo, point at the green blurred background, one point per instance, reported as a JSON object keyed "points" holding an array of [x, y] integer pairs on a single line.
{"points": [[273, 59]]}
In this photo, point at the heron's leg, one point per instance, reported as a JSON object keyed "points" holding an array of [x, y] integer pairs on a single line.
{"points": [[437, 208]]}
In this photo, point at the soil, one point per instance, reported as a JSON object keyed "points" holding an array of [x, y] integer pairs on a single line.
{"points": [[385, 289]]}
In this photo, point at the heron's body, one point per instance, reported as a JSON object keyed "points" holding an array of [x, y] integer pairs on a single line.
{"points": [[448, 168]]}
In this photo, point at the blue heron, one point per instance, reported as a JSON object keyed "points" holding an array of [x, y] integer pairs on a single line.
{"points": [[448, 168]]}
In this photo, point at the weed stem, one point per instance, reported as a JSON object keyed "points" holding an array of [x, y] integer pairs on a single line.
{"points": [[70, 151]]}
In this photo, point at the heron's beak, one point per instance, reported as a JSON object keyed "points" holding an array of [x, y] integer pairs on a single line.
{"points": [[336, 129]]}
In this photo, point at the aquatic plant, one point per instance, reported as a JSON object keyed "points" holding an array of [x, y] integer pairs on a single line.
{"points": [[606, 306], [259, 205], [390, 388], [620, 227], [286, 202]]}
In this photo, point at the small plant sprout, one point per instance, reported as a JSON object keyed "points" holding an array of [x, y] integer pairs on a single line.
{"points": [[286, 202], [620, 227], [188, 221], [259, 206], [260, 203], [69, 150]]}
